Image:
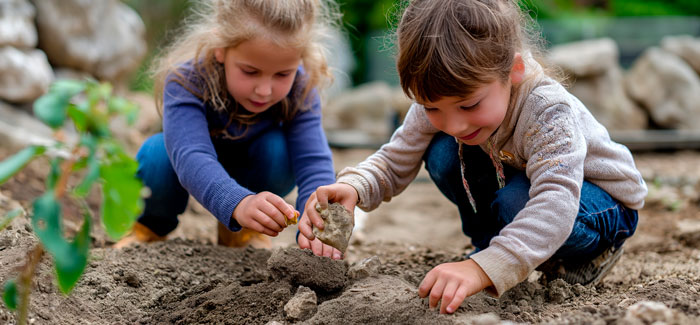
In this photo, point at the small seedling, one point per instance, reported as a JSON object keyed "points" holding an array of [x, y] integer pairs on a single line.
{"points": [[94, 158]]}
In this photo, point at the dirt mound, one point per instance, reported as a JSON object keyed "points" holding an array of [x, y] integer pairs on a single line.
{"points": [[192, 281]]}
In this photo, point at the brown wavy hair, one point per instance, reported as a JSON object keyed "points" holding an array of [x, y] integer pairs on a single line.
{"points": [[216, 24], [450, 48]]}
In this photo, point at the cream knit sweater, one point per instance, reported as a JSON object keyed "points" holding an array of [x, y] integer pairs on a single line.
{"points": [[548, 133]]}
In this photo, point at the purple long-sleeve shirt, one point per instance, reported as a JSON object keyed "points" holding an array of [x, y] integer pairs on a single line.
{"points": [[187, 123]]}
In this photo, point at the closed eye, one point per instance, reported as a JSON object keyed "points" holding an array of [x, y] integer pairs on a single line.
{"points": [[467, 108], [429, 109]]}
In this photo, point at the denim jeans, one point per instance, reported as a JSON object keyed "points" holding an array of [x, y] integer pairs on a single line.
{"points": [[260, 164], [601, 222]]}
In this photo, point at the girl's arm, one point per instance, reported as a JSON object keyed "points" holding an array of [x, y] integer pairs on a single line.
{"points": [[387, 172], [194, 158]]}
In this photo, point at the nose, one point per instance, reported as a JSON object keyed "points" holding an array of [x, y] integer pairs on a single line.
{"points": [[264, 88], [455, 125]]}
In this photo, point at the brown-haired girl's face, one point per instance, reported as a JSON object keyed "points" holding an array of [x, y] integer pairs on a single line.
{"points": [[473, 118], [259, 72]]}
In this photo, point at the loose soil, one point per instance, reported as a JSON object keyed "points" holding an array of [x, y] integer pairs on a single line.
{"points": [[189, 280]]}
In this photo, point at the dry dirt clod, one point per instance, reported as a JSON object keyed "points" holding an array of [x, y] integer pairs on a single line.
{"points": [[302, 267], [302, 306], [338, 224]]}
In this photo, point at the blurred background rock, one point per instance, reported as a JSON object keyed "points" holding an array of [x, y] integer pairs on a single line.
{"points": [[635, 64]]}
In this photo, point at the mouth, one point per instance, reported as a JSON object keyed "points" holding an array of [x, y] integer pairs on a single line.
{"points": [[257, 104], [471, 135]]}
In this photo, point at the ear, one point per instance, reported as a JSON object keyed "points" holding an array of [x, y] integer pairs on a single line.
{"points": [[517, 73], [220, 54]]}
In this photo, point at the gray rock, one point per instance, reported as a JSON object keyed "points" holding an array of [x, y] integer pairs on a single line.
{"points": [[26, 74], [302, 306], [17, 24], [365, 268], [337, 226], [104, 38], [667, 87]]}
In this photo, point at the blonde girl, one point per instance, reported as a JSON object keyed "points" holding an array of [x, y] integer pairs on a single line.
{"points": [[241, 119], [535, 177]]}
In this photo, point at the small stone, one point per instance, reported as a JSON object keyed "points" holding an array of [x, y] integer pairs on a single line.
{"points": [[365, 268], [337, 226], [302, 306]]}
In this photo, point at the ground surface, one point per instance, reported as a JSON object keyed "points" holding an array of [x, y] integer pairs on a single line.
{"points": [[188, 280]]}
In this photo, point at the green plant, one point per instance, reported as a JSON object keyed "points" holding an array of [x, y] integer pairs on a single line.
{"points": [[94, 158]]}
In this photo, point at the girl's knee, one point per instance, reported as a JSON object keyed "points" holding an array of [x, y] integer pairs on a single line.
{"points": [[152, 152], [441, 159], [511, 198], [155, 169]]}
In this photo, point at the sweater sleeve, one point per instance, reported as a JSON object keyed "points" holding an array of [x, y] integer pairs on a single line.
{"points": [[309, 152], [194, 159], [555, 148], [387, 172]]}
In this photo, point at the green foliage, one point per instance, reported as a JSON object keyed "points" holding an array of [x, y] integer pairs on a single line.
{"points": [[120, 192], [9, 294], [70, 258], [8, 218], [15, 163], [90, 106]]}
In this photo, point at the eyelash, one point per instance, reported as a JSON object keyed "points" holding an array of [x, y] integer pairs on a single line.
{"points": [[466, 108], [251, 73]]}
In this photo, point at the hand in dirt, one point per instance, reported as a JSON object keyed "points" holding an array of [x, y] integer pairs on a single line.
{"points": [[263, 212], [452, 282], [319, 248], [338, 192]]}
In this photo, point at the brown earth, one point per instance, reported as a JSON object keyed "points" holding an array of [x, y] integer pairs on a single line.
{"points": [[188, 280]]}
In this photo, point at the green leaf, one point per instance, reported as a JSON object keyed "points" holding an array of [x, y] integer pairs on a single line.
{"points": [[54, 173], [69, 258], [12, 165], [124, 107], [92, 175], [79, 117], [98, 124], [51, 107], [9, 294], [121, 192], [9, 216], [69, 270]]}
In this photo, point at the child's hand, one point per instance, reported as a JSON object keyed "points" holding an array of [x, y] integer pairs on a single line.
{"points": [[263, 212], [452, 282], [319, 248], [338, 192]]}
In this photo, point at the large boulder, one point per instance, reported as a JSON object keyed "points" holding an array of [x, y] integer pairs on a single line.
{"points": [[667, 87], [686, 47], [17, 24], [597, 80], [104, 38], [24, 74]]}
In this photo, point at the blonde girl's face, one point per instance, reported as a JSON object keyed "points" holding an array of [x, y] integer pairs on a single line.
{"points": [[259, 73], [474, 117]]}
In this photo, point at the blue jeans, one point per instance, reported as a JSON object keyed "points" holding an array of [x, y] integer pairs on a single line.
{"points": [[601, 222], [259, 164]]}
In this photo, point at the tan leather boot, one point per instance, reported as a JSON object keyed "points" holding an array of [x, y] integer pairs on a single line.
{"points": [[243, 238], [138, 234]]}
